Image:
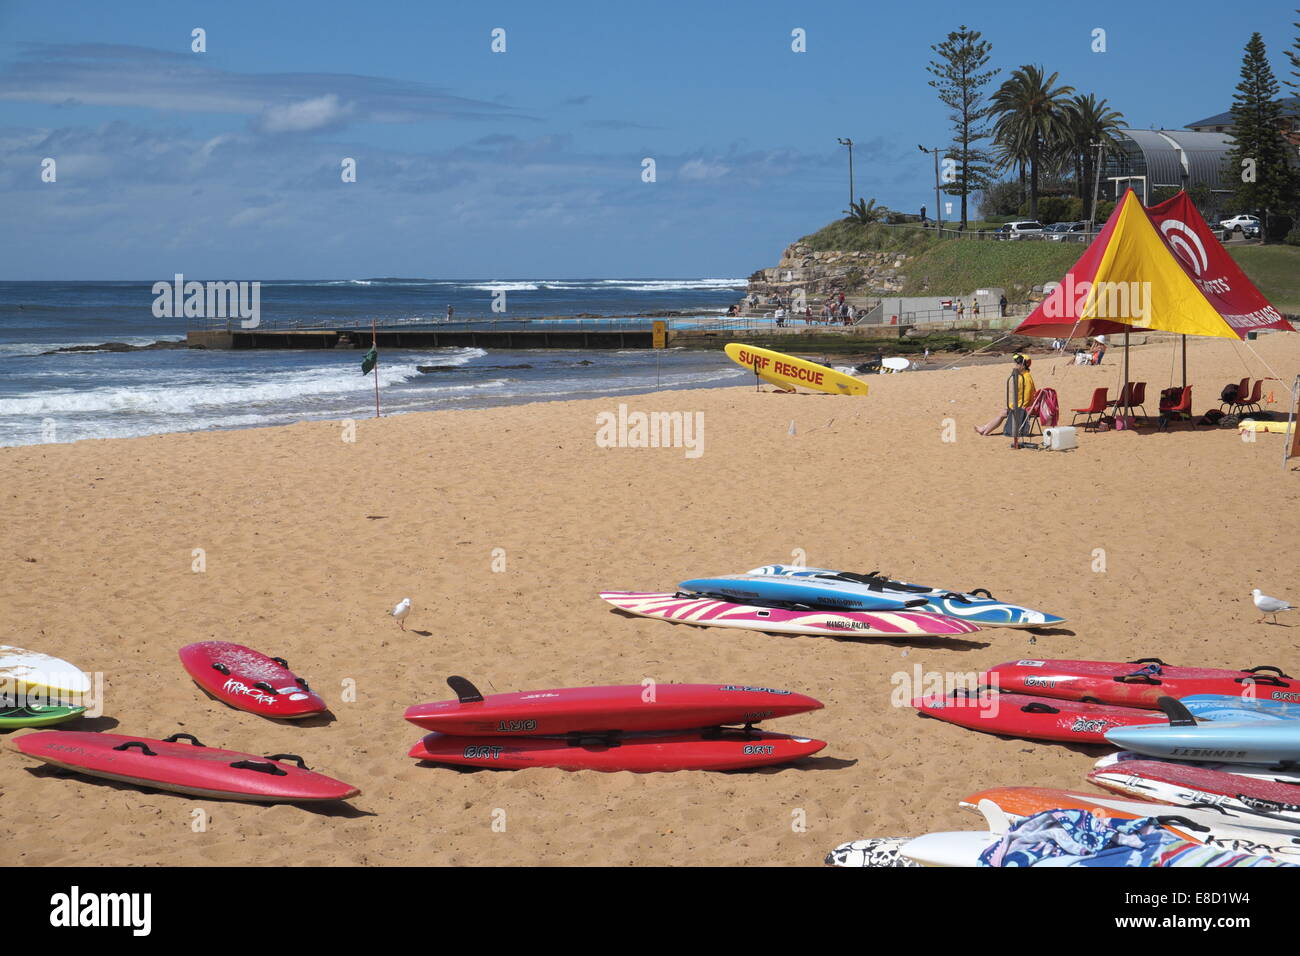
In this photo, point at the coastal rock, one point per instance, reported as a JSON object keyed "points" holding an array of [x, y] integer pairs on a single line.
{"points": [[117, 347]]}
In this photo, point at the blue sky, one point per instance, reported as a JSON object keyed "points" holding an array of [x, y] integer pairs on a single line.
{"points": [[523, 164]]}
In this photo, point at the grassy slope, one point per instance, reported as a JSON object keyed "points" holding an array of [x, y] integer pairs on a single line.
{"points": [[961, 267], [953, 267], [1276, 270]]}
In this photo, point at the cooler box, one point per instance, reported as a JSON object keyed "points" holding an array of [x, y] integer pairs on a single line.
{"points": [[1060, 438]]}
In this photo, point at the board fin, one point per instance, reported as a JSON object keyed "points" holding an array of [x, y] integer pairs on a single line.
{"points": [[465, 692], [994, 816], [1176, 711]]}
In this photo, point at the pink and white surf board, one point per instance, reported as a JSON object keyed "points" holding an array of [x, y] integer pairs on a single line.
{"points": [[706, 612]]}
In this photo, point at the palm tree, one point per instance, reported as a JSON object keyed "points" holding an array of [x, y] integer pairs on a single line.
{"points": [[1031, 122], [866, 211], [1089, 122]]}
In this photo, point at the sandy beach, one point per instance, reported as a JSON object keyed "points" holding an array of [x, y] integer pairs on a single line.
{"points": [[308, 539]]}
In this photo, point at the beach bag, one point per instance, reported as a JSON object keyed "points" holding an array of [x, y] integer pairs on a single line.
{"points": [[1017, 422], [1125, 423], [1229, 393], [1212, 416], [1046, 407]]}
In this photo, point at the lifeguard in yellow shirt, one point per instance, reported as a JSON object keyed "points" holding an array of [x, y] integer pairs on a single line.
{"points": [[1027, 391]]}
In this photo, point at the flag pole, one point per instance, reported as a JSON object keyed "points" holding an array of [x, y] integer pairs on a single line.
{"points": [[374, 344]]}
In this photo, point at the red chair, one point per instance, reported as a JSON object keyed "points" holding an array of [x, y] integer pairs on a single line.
{"points": [[1097, 407], [1131, 396], [1243, 389], [1245, 403], [1175, 409], [1139, 397]]}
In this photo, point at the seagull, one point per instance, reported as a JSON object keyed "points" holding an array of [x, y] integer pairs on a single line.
{"points": [[403, 608], [1270, 605]]}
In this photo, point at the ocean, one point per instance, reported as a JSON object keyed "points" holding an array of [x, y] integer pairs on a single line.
{"points": [[69, 396]]}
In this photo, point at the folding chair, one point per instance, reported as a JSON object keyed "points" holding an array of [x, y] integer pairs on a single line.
{"points": [[1176, 410], [1243, 389], [1097, 407], [1245, 403]]}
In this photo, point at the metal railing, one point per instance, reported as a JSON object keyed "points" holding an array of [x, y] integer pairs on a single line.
{"points": [[740, 323]]}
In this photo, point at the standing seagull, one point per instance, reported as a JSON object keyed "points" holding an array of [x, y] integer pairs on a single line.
{"points": [[403, 608], [1270, 605]]}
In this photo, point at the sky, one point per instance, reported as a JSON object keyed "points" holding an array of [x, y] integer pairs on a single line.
{"points": [[526, 163]]}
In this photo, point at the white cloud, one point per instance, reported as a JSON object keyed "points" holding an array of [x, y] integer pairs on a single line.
{"points": [[699, 170], [305, 116]]}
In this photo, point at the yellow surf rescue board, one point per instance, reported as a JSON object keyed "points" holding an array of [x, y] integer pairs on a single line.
{"points": [[788, 372], [1250, 425]]}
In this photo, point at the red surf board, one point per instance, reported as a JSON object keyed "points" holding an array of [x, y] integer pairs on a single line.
{"points": [[1136, 683], [626, 707], [1035, 718], [183, 767], [640, 753], [249, 680], [1199, 785]]}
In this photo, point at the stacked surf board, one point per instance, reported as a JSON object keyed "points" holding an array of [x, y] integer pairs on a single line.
{"points": [[1186, 785], [634, 727], [821, 588], [1139, 683], [38, 689], [684, 608]]}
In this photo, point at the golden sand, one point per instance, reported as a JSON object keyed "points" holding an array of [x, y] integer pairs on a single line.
{"points": [[308, 540]]}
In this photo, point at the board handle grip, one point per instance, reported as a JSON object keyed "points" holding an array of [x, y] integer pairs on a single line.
{"points": [[294, 758], [1037, 707], [137, 744], [260, 767], [174, 738]]}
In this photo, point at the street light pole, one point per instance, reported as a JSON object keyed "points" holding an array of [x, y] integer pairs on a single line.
{"points": [[1096, 185], [938, 210], [849, 144]]}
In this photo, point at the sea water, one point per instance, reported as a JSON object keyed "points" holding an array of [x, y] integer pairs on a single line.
{"points": [[70, 396]]}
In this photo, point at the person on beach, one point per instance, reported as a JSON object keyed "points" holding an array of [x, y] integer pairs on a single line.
{"points": [[1027, 391], [975, 309], [450, 312], [1002, 306], [961, 309], [1099, 352]]}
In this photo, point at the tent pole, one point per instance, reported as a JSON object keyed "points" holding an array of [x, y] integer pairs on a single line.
{"points": [[1184, 338], [1124, 392]]}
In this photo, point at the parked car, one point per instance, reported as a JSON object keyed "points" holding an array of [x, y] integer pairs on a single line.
{"points": [[1241, 224], [1021, 229], [1066, 231]]}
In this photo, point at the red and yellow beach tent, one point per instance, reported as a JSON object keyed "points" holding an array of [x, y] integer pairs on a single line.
{"points": [[1154, 269]]}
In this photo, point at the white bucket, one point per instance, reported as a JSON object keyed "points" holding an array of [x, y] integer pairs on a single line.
{"points": [[1060, 438]]}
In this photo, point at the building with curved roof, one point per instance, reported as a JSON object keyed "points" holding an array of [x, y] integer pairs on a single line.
{"points": [[1149, 159]]}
